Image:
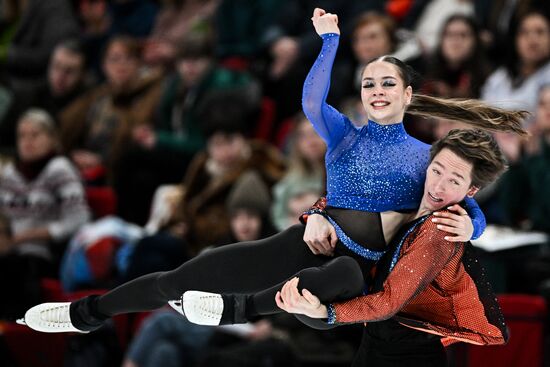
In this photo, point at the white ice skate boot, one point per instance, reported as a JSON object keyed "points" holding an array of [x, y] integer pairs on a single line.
{"points": [[202, 308], [50, 318]]}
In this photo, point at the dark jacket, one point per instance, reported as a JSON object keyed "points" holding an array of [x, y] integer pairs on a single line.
{"points": [[203, 205]]}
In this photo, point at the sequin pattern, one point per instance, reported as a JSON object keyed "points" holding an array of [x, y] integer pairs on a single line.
{"points": [[436, 286], [373, 168], [354, 246]]}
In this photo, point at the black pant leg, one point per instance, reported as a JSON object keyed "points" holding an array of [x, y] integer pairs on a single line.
{"points": [[337, 280], [245, 267]]}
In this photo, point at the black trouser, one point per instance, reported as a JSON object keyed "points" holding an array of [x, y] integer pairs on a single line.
{"points": [[257, 267], [397, 349]]}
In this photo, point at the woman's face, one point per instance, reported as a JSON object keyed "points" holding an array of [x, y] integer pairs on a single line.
{"points": [[533, 40], [33, 143], [457, 42], [226, 149], [310, 145], [543, 109], [119, 66], [370, 41], [383, 93], [246, 225]]}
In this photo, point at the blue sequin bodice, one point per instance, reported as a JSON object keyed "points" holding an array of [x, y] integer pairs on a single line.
{"points": [[377, 168], [373, 168]]}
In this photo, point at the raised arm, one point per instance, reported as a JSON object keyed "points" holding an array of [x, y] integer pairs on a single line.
{"points": [[330, 124]]}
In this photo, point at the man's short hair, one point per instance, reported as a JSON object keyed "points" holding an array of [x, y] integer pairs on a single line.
{"points": [[477, 147]]}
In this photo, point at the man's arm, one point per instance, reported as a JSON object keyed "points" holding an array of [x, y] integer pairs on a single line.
{"points": [[419, 263]]}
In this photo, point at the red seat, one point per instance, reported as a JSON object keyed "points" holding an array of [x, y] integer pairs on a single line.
{"points": [[525, 316]]}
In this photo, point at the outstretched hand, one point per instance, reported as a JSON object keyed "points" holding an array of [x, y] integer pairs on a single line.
{"points": [[325, 22], [456, 221], [290, 300]]}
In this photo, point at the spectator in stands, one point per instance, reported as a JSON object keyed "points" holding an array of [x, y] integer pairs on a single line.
{"points": [[97, 128], [103, 19], [499, 18], [66, 78], [293, 46], [304, 178], [163, 151], [64, 83], [524, 192], [372, 36], [41, 26], [201, 212], [42, 197], [177, 19], [459, 66], [431, 16], [516, 84]]}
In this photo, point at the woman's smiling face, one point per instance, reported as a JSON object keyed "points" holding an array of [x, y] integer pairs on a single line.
{"points": [[383, 93]]}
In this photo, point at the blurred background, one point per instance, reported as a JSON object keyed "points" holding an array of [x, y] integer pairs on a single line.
{"points": [[133, 132]]}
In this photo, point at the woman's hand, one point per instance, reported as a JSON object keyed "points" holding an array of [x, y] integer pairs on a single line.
{"points": [[320, 235], [457, 222], [325, 22], [290, 300]]}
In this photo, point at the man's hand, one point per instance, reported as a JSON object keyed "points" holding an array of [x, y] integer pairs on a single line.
{"points": [[455, 222], [290, 300], [320, 235]]}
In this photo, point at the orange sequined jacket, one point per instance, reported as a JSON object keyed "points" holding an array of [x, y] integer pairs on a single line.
{"points": [[434, 286]]}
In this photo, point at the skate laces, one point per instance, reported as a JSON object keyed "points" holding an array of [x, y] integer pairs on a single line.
{"points": [[210, 306], [56, 316]]}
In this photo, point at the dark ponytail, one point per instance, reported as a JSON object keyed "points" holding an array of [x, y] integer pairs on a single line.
{"points": [[470, 111]]}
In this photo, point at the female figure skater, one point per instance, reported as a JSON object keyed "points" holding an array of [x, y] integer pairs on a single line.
{"points": [[373, 171]]}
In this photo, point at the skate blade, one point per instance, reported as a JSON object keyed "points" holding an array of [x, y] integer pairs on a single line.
{"points": [[177, 305]]}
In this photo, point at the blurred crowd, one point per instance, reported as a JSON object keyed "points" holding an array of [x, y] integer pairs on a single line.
{"points": [[135, 134]]}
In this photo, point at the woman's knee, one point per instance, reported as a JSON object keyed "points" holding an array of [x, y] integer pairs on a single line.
{"points": [[338, 279], [348, 273]]}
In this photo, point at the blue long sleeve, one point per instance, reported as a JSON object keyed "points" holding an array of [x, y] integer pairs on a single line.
{"points": [[477, 217], [330, 124], [375, 167]]}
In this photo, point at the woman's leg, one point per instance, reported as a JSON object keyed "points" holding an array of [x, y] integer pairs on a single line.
{"points": [[245, 267], [337, 280]]}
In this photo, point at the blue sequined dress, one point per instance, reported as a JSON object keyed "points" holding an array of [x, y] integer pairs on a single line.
{"points": [[373, 168]]}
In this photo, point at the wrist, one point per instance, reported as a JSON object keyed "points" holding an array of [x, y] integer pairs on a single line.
{"points": [[330, 314]]}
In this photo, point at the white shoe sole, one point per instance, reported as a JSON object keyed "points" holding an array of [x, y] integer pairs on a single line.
{"points": [[203, 308], [49, 318]]}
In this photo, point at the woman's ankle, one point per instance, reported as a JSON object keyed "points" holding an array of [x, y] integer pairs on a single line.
{"points": [[85, 315]]}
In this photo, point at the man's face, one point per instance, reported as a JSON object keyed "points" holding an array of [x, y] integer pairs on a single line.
{"points": [[448, 181], [64, 71]]}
